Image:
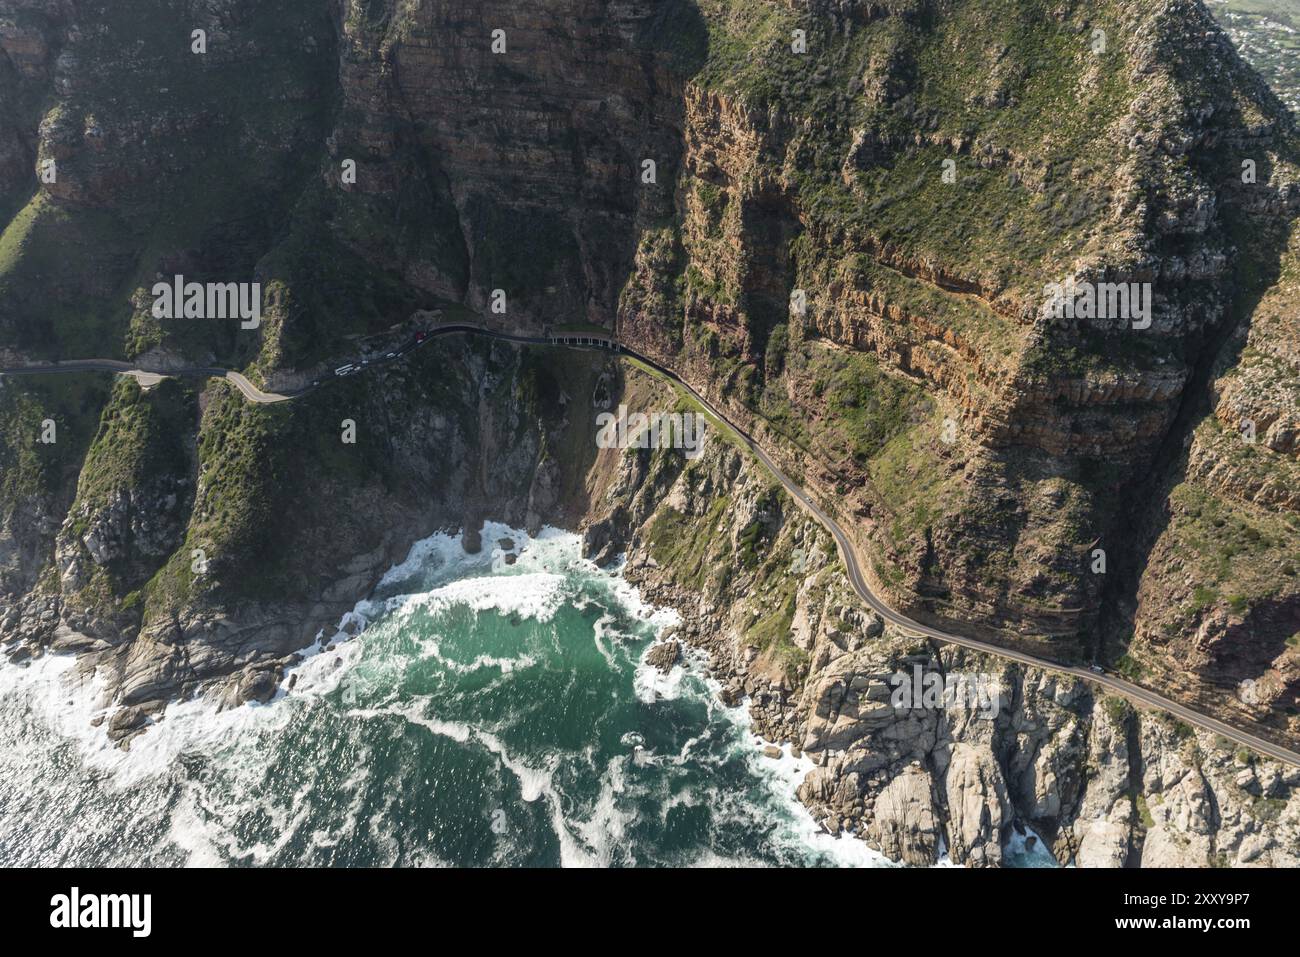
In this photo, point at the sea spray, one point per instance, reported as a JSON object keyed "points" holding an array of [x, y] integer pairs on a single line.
{"points": [[473, 711]]}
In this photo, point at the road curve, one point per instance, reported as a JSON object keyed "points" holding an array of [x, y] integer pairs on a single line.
{"points": [[252, 393], [151, 376], [849, 556], [848, 552]]}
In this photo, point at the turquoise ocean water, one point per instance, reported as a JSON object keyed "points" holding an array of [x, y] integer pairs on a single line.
{"points": [[487, 714]]}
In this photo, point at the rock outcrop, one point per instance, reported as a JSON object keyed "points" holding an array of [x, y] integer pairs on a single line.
{"points": [[851, 246], [1001, 750]]}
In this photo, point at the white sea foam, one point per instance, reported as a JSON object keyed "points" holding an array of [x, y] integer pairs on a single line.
{"points": [[534, 595], [605, 830], [435, 577], [651, 684], [601, 630], [534, 783], [1017, 852], [785, 774]]}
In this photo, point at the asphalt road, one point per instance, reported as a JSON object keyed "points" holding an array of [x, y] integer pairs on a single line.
{"points": [[850, 558], [848, 553], [148, 377]]}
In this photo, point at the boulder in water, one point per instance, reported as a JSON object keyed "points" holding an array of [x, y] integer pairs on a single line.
{"points": [[664, 655], [472, 539]]}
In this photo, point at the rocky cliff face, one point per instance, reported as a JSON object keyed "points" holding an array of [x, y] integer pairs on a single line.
{"points": [[875, 212], [527, 125], [207, 540], [1010, 754], [839, 220], [1215, 609]]}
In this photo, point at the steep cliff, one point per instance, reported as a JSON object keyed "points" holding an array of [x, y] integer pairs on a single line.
{"points": [[1011, 756], [839, 220], [859, 268], [206, 539]]}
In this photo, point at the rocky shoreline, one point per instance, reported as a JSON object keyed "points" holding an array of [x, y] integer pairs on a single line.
{"points": [[204, 622], [758, 589], [797, 254], [1100, 783]]}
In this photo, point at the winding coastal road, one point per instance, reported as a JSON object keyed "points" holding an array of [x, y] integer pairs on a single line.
{"points": [[149, 377], [848, 552]]}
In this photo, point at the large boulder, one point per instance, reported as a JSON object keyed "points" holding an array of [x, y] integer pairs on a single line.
{"points": [[904, 826], [664, 655], [978, 809]]}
